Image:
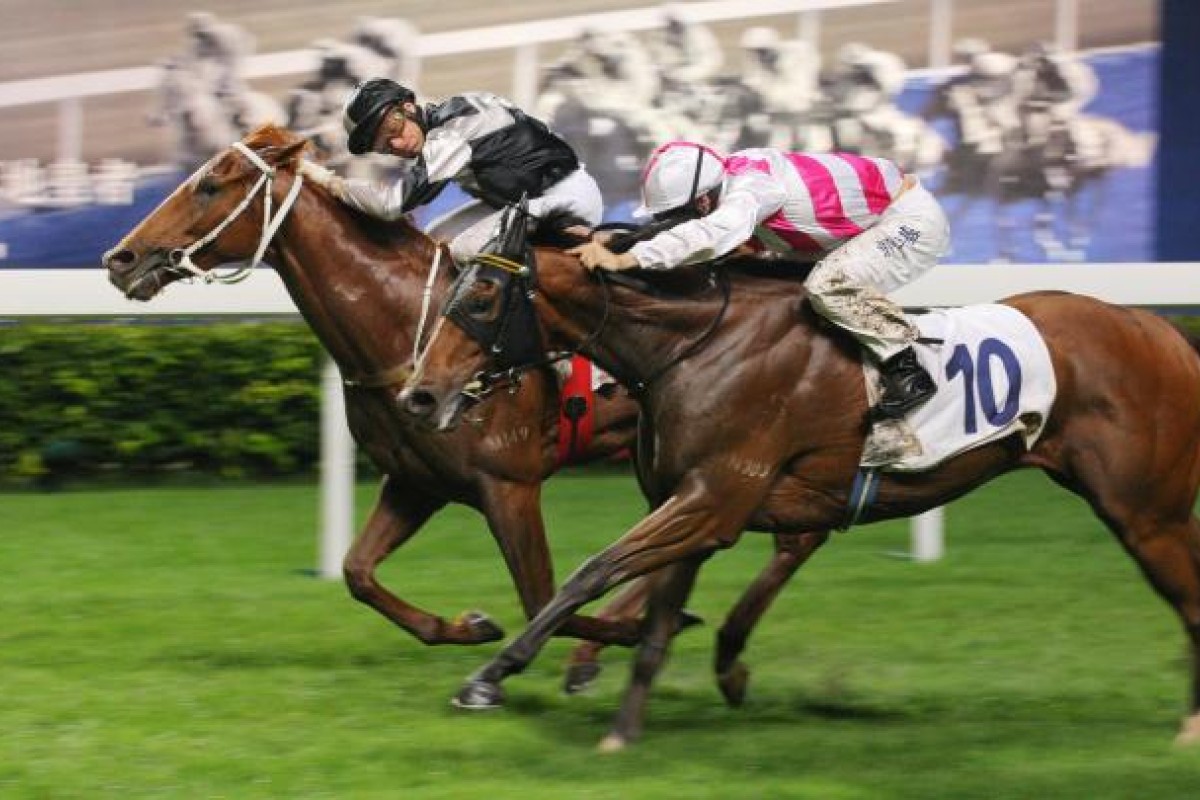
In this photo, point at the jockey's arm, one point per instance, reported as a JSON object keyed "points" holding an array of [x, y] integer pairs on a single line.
{"points": [[715, 235], [443, 157]]}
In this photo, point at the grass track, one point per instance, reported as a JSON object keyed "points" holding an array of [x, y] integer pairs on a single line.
{"points": [[168, 643]]}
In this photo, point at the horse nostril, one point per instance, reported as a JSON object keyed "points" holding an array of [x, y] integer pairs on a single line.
{"points": [[119, 260], [419, 402]]}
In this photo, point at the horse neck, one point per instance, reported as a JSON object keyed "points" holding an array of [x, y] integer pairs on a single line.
{"points": [[631, 336], [361, 298]]}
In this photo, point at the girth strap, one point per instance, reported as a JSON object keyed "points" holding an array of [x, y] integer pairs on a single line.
{"points": [[862, 496]]}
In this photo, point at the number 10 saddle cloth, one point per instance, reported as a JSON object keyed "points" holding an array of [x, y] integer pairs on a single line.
{"points": [[994, 379]]}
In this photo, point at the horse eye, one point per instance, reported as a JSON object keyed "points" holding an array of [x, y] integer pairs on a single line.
{"points": [[208, 187], [478, 305]]}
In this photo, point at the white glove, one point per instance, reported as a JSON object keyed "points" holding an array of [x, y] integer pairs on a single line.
{"points": [[317, 174]]}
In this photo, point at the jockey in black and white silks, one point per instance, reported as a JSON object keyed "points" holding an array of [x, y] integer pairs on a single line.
{"points": [[489, 147]]}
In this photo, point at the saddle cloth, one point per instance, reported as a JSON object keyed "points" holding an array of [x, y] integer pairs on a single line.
{"points": [[994, 378]]}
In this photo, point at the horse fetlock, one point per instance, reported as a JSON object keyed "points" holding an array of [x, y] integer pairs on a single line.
{"points": [[729, 646]]}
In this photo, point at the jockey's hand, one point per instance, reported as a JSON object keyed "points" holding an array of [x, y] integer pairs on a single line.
{"points": [[316, 173], [596, 256]]}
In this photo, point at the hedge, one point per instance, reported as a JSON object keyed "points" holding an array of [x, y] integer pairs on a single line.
{"points": [[231, 400]]}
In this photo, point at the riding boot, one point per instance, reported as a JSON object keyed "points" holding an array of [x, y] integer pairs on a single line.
{"points": [[906, 384]]}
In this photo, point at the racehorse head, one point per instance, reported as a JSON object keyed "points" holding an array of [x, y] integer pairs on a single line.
{"points": [[494, 339], [226, 212]]}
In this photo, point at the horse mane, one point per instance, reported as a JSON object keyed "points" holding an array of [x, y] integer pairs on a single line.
{"points": [[270, 135], [550, 229]]}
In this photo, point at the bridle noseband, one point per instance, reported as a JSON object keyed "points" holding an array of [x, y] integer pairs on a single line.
{"points": [[181, 258]]}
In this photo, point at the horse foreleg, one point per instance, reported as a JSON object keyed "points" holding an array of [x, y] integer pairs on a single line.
{"points": [[514, 516], [791, 550], [670, 590], [398, 514], [685, 525], [583, 665]]}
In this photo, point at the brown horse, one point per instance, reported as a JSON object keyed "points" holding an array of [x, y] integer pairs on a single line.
{"points": [[360, 285], [765, 427]]}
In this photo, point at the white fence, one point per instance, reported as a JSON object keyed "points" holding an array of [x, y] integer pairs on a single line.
{"points": [[70, 293]]}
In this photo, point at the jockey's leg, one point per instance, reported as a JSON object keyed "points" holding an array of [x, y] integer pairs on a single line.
{"points": [[848, 288], [577, 193], [471, 241]]}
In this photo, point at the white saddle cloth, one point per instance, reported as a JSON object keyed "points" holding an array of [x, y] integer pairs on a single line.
{"points": [[994, 378]]}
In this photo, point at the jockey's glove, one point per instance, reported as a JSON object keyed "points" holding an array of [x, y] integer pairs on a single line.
{"points": [[319, 175]]}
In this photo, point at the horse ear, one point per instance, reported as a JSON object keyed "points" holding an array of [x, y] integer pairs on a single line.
{"points": [[287, 155]]}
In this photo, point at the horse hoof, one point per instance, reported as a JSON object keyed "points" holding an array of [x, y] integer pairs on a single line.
{"points": [[611, 744], [477, 695], [1189, 734], [733, 684], [580, 677], [480, 626]]}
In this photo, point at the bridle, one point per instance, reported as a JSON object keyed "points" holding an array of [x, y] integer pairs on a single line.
{"points": [[181, 258]]}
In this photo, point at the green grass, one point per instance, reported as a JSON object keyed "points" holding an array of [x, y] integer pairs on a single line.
{"points": [[169, 643]]}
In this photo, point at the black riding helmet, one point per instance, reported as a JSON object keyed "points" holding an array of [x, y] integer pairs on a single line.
{"points": [[366, 107]]}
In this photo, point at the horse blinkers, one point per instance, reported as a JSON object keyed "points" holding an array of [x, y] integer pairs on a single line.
{"points": [[504, 324]]}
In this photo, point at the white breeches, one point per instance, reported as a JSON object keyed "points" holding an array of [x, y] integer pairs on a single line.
{"points": [[848, 286], [576, 193]]}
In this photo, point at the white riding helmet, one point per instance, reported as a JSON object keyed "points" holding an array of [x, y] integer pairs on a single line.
{"points": [[677, 174]]}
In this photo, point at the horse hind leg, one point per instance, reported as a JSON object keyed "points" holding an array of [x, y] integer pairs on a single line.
{"points": [[1166, 546], [1169, 556], [670, 590], [583, 665], [791, 551]]}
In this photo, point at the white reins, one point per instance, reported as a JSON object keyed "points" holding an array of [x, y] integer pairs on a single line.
{"points": [[182, 258], [426, 298]]}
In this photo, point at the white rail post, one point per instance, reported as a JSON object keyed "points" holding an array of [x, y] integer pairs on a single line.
{"points": [[337, 475], [70, 129], [1066, 25], [927, 541], [525, 75], [941, 27], [808, 28]]}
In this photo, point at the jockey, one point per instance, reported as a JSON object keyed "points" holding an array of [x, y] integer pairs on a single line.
{"points": [[873, 228], [486, 145]]}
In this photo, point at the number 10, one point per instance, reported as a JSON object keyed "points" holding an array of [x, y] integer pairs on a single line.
{"points": [[961, 363]]}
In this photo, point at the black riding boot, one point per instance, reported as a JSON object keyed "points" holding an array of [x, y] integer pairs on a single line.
{"points": [[906, 384]]}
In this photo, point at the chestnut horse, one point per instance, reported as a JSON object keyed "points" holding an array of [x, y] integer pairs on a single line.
{"points": [[765, 427], [360, 285]]}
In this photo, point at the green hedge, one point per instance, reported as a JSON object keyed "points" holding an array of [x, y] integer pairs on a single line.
{"points": [[231, 400]]}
